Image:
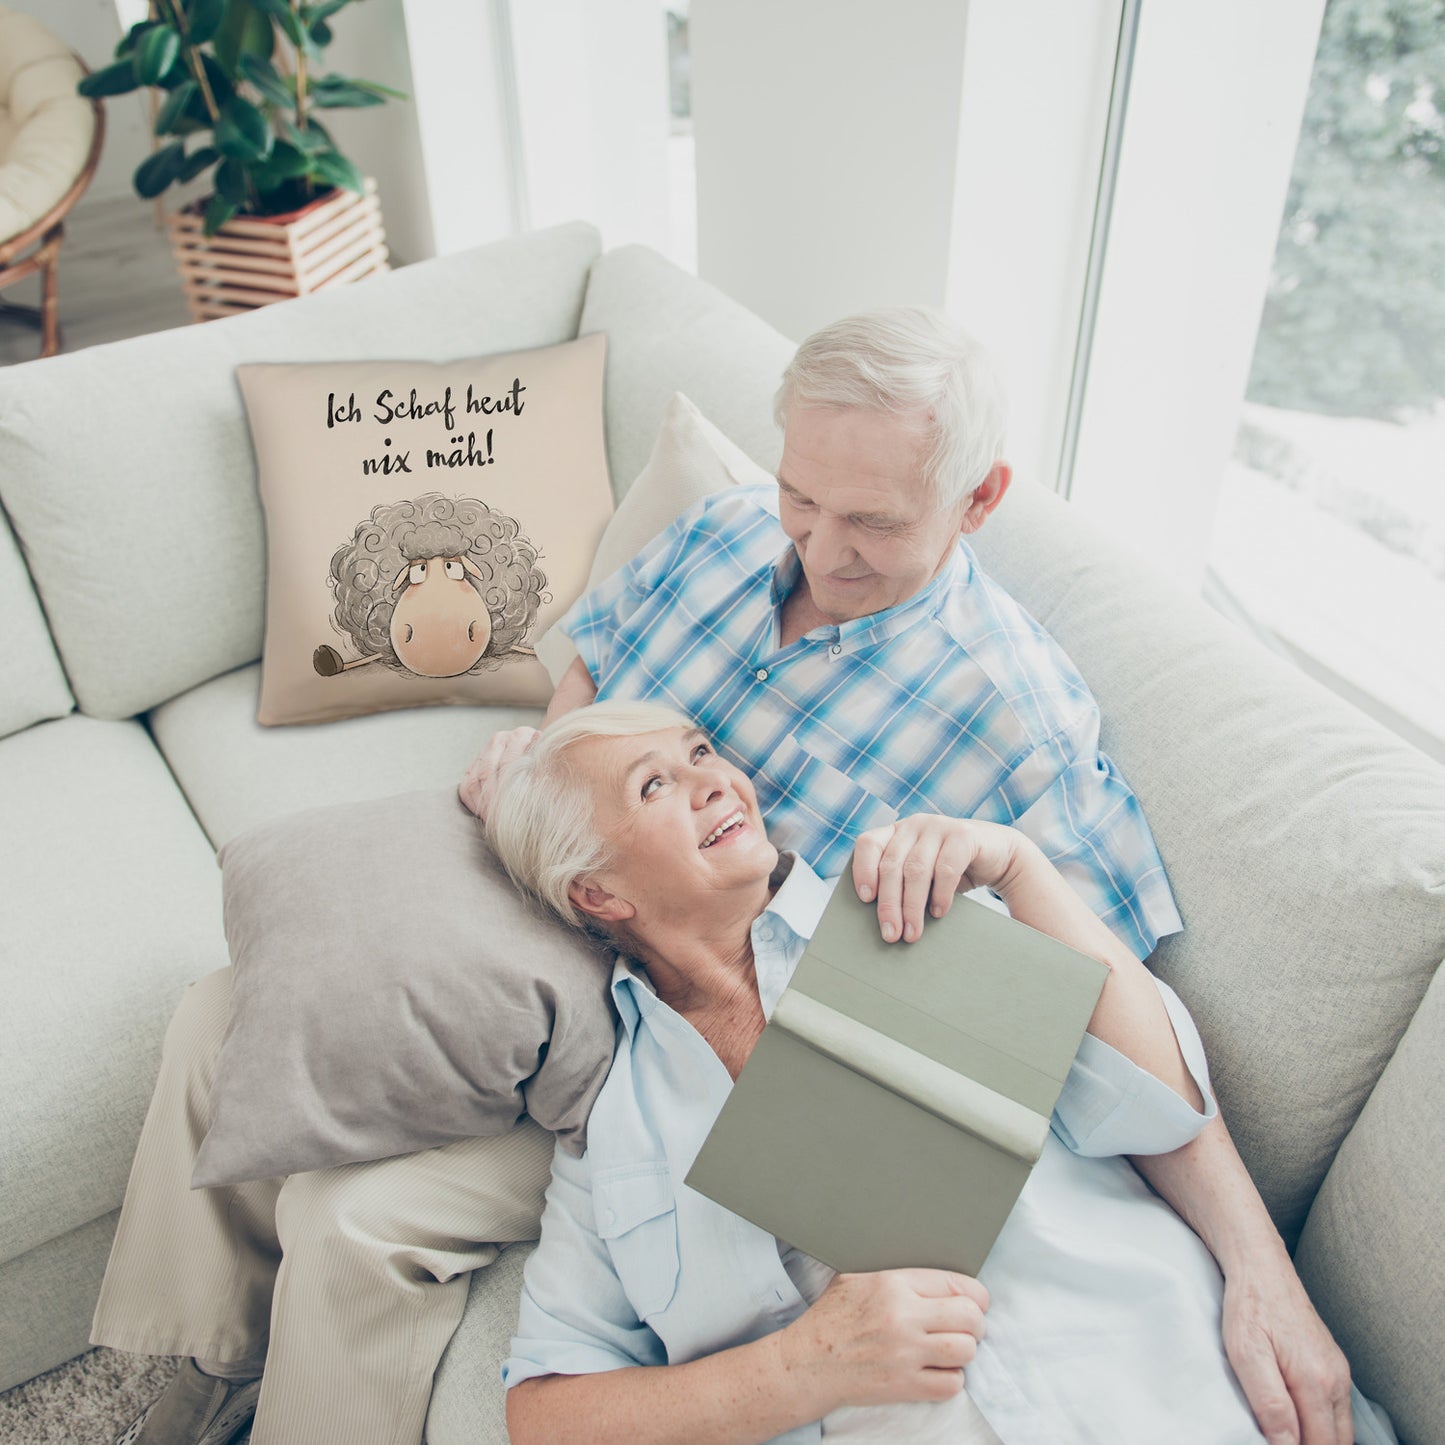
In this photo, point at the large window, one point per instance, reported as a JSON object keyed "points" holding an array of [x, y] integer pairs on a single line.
{"points": [[1330, 528]]}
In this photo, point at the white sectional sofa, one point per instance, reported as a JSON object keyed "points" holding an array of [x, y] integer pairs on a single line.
{"points": [[1305, 845]]}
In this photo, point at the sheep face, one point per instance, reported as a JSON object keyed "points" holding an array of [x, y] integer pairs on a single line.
{"points": [[440, 627]]}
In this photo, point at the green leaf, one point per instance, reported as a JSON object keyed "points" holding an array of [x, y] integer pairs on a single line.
{"points": [[203, 19], [157, 171], [242, 132], [197, 161], [324, 11], [333, 92], [333, 168], [379, 89], [131, 38], [174, 109], [312, 140], [231, 182], [278, 89], [285, 17], [222, 85], [244, 31], [319, 33], [287, 162], [157, 52], [218, 212], [117, 79]]}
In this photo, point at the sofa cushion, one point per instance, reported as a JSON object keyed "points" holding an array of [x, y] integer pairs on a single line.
{"points": [[691, 459], [1301, 840], [111, 904], [1372, 1254], [129, 476], [430, 583], [34, 686], [237, 774], [669, 332]]}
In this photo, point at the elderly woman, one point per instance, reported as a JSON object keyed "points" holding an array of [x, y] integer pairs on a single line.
{"points": [[654, 1314]]}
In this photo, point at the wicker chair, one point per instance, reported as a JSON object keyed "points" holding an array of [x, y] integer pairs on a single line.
{"points": [[50, 140]]}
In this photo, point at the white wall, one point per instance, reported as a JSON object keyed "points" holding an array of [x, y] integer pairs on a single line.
{"points": [[827, 146], [1036, 83], [593, 110]]}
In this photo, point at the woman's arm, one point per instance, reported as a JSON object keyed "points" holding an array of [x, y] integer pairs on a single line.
{"points": [[917, 865], [903, 1334]]}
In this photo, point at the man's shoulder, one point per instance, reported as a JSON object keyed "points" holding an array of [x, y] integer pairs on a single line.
{"points": [[739, 517], [986, 625]]}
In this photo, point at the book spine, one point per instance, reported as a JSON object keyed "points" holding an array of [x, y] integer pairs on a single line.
{"points": [[953, 1097]]}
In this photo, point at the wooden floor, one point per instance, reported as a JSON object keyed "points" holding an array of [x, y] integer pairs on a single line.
{"points": [[117, 279]]}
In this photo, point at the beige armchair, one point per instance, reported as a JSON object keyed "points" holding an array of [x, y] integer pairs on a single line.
{"points": [[50, 140]]}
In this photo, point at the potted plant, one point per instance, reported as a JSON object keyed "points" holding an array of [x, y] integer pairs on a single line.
{"points": [[239, 85]]}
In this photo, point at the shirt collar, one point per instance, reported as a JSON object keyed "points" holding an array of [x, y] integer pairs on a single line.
{"points": [[796, 907], [878, 626]]}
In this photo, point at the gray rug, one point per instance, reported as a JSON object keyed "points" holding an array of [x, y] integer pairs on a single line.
{"points": [[86, 1402]]}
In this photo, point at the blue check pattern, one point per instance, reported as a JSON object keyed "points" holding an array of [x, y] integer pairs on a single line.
{"points": [[955, 702]]}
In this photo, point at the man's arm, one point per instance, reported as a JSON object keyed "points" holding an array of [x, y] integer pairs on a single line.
{"points": [[1295, 1377], [575, 690]]}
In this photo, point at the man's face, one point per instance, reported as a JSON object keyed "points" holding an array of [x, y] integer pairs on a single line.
{"points": [[853, 500]]}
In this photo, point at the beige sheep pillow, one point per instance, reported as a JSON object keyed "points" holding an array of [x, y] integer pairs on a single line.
{"points": [[425, 523]]}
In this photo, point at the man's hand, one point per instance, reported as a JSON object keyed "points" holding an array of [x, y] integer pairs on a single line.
{"points": [[1295, 1377], [475, 789]]}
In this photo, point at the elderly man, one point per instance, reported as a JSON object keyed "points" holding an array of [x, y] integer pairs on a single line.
{"points": [[838, 641]]}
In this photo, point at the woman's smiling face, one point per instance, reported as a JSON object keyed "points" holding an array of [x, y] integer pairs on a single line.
{"points": [[681, 823]]}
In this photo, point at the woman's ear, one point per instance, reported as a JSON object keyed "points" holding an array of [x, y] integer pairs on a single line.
{"points": [[596, 902]]}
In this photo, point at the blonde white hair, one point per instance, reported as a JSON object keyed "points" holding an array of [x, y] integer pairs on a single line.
{"points": [[908, 360], [542, 822]]}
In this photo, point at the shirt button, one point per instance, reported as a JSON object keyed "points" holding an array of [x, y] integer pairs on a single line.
{"points": [[761, 674], [765, 933], [836, 648]]}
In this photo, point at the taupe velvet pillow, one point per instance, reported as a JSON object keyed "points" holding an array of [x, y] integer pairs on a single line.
{"points": [[425, 523], [393, 992]]}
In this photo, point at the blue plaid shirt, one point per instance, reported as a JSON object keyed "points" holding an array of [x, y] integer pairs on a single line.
{"points": [[954, 702]]}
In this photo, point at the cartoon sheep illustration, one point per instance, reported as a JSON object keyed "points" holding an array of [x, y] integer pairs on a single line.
{"points": [[435, 586]]}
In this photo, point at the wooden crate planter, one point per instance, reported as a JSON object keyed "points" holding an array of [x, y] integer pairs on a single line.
{"points": [[255, 260]]}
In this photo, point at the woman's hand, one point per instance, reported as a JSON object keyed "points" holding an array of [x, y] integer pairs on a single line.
{"points": [[475, 789], [899, 1334], [918, 864]]}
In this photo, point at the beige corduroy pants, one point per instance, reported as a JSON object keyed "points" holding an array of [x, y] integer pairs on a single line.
{"points": [[350, 1281]]}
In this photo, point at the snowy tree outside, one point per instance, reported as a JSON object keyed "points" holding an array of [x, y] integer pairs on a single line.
{"points": [[1331, 526]]}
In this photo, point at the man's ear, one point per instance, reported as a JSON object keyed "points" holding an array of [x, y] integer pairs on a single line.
{"points": [[595, 901], [986, 496]]}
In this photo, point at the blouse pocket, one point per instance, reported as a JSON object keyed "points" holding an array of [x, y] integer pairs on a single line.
{"points": [[637, 1216]]}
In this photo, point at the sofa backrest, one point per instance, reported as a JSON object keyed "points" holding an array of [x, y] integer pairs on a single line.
{"points": [[32, 682], [128, 473], [1300, 838]]}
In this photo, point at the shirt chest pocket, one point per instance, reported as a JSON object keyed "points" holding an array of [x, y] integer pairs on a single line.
{"points": [[637, 1218], [819, 810]]}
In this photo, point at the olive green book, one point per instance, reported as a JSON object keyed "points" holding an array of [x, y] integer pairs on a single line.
{"points": [[900, 1094]]}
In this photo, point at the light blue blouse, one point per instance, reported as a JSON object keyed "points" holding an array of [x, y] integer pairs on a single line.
{"points": [[1105, 1316]]}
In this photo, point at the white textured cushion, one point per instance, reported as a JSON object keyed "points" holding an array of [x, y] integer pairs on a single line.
{"points": [[128, 473], [691, 459], [1302, 841], [32, 683], [111, 904], [669, 332], [48, 127], [237, 774]]}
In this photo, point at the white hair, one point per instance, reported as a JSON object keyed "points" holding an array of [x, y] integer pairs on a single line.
{"points": [[542, 822], [908, 360]]}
